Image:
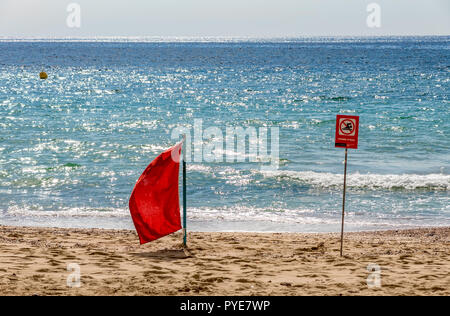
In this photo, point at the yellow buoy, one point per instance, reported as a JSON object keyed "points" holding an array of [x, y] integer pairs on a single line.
{"points": [[43, 75]]}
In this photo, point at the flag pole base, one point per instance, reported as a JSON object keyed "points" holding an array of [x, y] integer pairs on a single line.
{"points": [[184, 238]]}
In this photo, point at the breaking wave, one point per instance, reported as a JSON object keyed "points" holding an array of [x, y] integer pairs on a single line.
{"points": [[367, 181], [432, 182]]}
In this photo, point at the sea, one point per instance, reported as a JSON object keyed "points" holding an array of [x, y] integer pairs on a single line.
{"points": [[73, 146]]}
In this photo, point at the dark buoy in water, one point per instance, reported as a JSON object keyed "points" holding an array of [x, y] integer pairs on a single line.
{"points": [[43, 75]]}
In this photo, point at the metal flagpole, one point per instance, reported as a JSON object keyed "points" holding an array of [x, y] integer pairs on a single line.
{"points": [[184, 191], [343, 201]]}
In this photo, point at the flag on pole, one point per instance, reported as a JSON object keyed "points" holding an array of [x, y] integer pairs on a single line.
{"points": [[154, 203]]}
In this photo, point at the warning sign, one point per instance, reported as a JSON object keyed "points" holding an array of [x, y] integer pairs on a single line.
{"points": [[347, 131]]}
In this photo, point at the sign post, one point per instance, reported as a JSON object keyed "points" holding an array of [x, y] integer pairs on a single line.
{"points": [[347, 129]]}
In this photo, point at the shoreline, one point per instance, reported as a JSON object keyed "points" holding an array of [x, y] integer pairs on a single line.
{"points": [[217, 227], [34, 261]]}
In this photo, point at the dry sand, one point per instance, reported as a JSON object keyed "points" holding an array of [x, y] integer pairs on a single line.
{"points": [[34, 262]]}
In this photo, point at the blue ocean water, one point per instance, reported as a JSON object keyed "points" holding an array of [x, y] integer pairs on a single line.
{"points": [[72, 146]]}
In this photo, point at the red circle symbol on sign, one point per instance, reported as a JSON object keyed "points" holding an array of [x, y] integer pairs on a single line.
{"points": [[347, 127]]}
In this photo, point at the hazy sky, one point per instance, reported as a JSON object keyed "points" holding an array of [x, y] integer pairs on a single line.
{"points": [[230, 18]]}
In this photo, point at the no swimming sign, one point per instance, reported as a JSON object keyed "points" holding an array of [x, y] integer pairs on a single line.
{"points": [[347, 128]]}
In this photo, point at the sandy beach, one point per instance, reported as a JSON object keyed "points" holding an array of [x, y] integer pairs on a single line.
{"points": [[34, 261]]}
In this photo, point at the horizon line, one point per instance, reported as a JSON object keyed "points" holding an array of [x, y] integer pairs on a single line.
{"points": [[161, 39]]}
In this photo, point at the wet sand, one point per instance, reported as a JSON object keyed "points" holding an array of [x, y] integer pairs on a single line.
{"points": [[34, 261]]}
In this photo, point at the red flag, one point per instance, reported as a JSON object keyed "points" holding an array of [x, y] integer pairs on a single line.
{"points": [[154, 202]]}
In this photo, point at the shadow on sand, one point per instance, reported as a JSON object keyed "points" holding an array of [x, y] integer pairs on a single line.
{"points": [[165, 254]]}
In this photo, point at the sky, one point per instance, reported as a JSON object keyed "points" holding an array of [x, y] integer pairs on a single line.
{"points": [[222, 18]]}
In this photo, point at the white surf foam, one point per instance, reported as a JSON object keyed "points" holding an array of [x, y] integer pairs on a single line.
{"points": [[435, 181], [369, 181]]}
